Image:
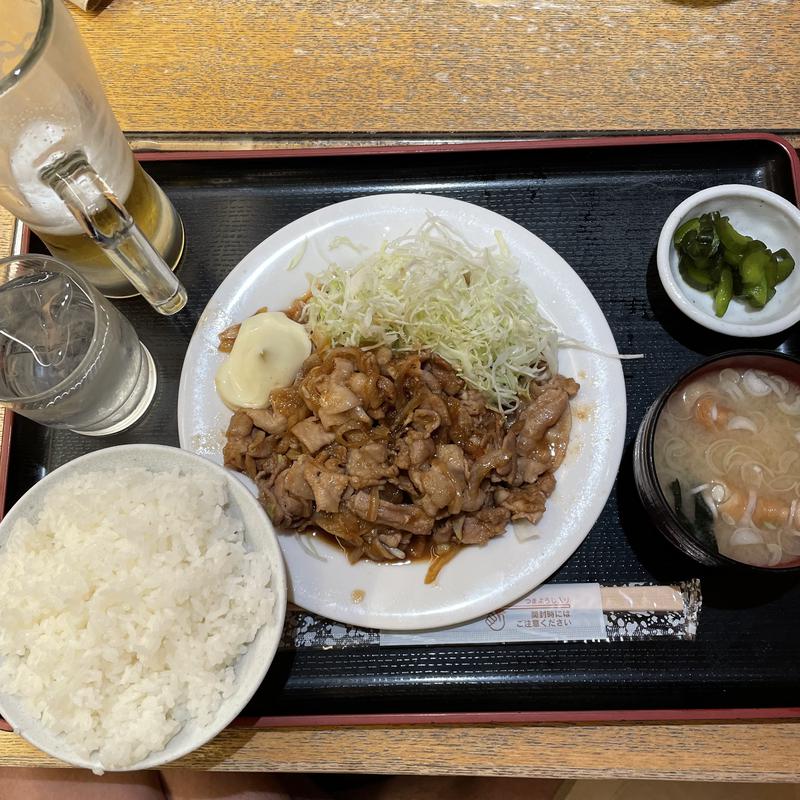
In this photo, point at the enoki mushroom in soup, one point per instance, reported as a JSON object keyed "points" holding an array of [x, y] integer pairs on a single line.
{"points": [[727, 454]]}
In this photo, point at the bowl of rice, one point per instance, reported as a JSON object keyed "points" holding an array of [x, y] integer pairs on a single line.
{"points": [[143, 595]]}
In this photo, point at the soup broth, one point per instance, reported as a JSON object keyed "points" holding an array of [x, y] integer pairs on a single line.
{"points": [[727, 455]]}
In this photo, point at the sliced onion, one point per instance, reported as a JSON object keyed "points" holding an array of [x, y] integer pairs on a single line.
{"points": [[731, 389], [677, 449], [742, 424], [790, 542], [775, 554], [777, 383], [692, 394], [307, 544], [752, 475], [759, 418], [699, 488], [751, 506], [792, 409], [710, 504], [754, 385], [714, 413], [729, 374], [783, 484], [677, 408], [743, 536]]}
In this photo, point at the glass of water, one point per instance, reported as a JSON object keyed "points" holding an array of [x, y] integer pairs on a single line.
{"points": [[68, 358]]}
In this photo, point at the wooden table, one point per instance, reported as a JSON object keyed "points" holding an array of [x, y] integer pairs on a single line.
{"points": [[289, 72]]}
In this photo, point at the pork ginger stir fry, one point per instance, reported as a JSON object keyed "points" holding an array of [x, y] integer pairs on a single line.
{"points": [[396, 457]]}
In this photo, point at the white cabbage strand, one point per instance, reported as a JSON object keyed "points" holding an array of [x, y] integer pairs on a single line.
{"points": [[432, 289]]}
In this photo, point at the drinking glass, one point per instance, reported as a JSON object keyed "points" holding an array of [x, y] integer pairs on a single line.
{"points": [[66, 168], [68, 358]]}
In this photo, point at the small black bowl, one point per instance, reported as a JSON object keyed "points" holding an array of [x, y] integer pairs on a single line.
{"points": [[648, 486]]}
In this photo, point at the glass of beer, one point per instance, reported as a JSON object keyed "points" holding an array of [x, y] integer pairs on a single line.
{"points": [[68, 358], [66, 168]]}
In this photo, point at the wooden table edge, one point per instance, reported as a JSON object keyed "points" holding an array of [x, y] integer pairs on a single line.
{"points": [[709, 751]]}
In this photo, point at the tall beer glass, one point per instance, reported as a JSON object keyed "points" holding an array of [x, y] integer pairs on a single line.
{"points": [[66, 168]]}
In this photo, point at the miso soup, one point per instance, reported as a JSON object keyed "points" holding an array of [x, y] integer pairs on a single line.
{"points": [[727, 456]]}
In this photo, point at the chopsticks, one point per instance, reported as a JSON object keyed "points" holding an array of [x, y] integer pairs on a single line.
{"points": [[86, 5], [641, 598]]}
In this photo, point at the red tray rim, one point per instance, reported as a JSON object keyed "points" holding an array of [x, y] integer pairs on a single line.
{"points": [[483, 145], [479, 145], [622, 716], [519, 717], [467, 718]]}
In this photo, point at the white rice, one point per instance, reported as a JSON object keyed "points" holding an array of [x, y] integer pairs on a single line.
{"points": [[124, 608]]}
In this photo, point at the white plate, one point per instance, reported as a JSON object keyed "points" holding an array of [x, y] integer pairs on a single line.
{"points": [[480, 579]]}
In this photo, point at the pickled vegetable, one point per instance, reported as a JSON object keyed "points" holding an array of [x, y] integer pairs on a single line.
{"points": [[716, 258], [724, 292], [784, 264]]}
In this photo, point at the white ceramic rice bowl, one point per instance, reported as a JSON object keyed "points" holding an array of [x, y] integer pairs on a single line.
{"points": [[251, 667]]}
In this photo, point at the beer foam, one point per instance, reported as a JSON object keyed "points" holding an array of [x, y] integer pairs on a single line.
{"points": [[41, 142]]}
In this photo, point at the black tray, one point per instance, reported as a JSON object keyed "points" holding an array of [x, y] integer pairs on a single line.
{"points": [[601, 205]]}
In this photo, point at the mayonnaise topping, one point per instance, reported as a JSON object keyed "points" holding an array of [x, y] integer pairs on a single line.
{"points": [[267, 354]]}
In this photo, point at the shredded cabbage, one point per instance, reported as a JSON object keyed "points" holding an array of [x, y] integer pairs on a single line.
{"points": [[432, 289], [345, 241], [298, 256]]}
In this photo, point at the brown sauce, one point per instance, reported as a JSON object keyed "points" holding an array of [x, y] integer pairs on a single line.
{"points": [[415, 554]]}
